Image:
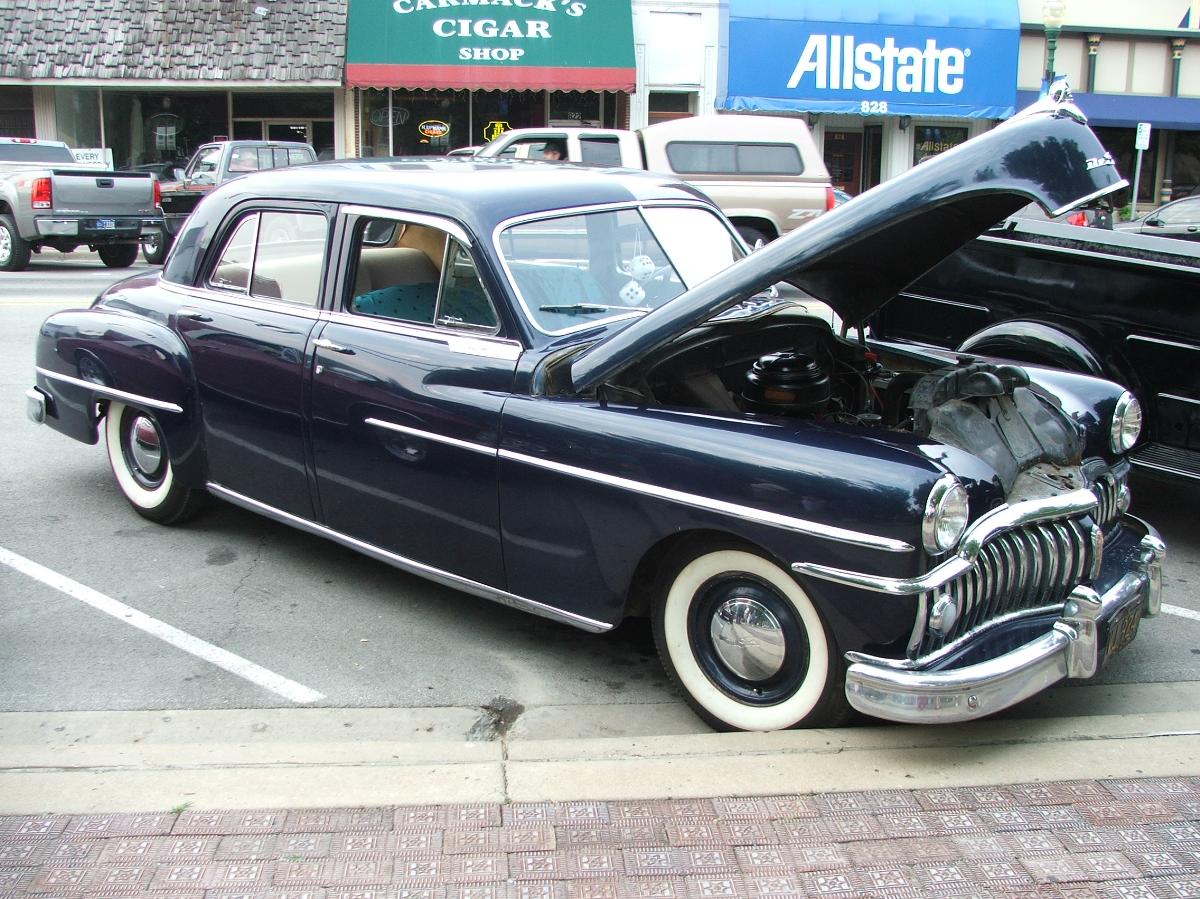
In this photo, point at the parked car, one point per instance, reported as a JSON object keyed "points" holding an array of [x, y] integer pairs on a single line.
{"points": [[765, 172], [214, 164], [569, 391], [1179, 218], [1115, 304], [47, 199], [1097, 214]]}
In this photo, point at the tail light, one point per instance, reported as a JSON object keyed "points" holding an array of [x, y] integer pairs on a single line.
{"points": [[157, 192], [42, 196], [830, 199], [1077, 218]]}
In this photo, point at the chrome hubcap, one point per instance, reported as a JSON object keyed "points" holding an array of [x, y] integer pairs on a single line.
{"points": [[5, 245], [748, 638], [145, 447]]}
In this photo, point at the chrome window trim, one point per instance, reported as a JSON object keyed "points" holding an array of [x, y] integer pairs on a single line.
{"points": [[111, 392], [1179, 399], [1163, 342], [550, 215], [974, 307], [437, 575], [229, 235], [243, 300], [453, 228], [989, 525], [436, 438], [760, 516], [483, 345]]}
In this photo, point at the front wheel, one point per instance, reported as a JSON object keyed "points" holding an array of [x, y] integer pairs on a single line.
{"points": [[747, 645], [118, 255], [141, 464]]}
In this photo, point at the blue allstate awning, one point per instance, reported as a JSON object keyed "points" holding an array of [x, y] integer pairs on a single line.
{"points": [[871, 57]]}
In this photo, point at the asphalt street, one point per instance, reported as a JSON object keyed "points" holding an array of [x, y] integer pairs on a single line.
{"points": [[351, 632]]}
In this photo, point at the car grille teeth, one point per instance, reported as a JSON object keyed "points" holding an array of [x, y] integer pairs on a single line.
{"points": [[1107, 488], [1027, 568]]}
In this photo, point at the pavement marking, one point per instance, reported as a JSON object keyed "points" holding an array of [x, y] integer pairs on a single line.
{"points": [[1180, 611], [215, 655]]}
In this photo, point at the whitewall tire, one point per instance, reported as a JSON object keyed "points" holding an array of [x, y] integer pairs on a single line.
{"points": [[747, 646], [141, 463]]}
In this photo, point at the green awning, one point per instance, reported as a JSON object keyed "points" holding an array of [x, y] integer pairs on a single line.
{"points": [[568, 45]]}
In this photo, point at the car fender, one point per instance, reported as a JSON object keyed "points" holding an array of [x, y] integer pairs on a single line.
{"points": [[1039, 343], [87, 358]]}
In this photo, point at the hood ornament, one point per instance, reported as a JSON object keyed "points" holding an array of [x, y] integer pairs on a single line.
{"points": [[1056, 100]]}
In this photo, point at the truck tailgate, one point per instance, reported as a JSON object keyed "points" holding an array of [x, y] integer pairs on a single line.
{"points": [[103, 193]]}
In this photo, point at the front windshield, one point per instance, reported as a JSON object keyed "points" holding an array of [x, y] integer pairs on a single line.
{"points": [[573, 271]]}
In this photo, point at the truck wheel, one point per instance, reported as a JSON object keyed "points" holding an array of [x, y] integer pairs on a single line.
{"points": [[120, 255], [746, 644], [155, 248], [141, 464], [14, 250]]}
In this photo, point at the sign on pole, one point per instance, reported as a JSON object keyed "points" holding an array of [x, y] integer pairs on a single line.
{"points": [[1140, 142]]}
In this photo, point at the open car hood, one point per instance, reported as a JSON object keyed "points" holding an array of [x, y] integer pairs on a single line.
{"points": [[861, 254]]}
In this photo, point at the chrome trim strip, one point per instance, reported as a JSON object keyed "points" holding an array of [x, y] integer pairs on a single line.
{"points": [[110, 392], [436, 575], [1071, 648], [941, 302], [1179, 399], [468, 344], [241, 300], [760, 516], [436, 438], [989, 525], [1095, 195], [451, 227], [1160, 341], [1090, 254]]}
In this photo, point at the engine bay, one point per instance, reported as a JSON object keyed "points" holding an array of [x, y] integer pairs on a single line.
{"points": [[798, 368]]}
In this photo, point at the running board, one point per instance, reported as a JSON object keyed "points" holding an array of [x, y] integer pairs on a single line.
{"points": [[1172, 460]]}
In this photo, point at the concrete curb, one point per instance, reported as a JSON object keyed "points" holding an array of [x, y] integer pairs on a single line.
{"points": [[83, 762]]}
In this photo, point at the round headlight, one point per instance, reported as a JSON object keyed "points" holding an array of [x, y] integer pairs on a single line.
{"points": [[946, 514], [1126, 425]]}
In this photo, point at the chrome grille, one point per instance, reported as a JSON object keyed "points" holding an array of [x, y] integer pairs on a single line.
{"points": [[1018, 571], [1108, 487]]}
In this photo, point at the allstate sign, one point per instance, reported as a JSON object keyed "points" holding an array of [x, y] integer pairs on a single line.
{"points": [[779, 64]]}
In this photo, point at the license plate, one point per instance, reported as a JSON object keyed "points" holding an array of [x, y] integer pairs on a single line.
{"points": [[1122, 628], [105, 225]]}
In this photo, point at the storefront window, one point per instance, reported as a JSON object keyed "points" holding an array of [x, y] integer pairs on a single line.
{"points": [[1119, 142], [498, 111], [572, 108], [16, 111], [930, 140], [1185, 164], [663, 106], [147, 128], [429, 123], [77, 115]]}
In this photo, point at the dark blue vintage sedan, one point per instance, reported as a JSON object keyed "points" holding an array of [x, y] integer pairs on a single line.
{"points": [[571, 391]]}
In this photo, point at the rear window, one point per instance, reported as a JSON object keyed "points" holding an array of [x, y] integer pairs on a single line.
{"points": [[711, 157], [34, 153]]}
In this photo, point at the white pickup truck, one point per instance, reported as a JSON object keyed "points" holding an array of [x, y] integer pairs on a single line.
{"points": [[47, 199], [764, 171]]}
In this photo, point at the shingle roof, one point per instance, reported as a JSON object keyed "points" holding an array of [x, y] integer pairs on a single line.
{"points": [[170, 40]]}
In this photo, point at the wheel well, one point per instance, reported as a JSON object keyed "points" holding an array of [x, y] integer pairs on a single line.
{"points": [[660, 560], [5, 209], [766, 226]]}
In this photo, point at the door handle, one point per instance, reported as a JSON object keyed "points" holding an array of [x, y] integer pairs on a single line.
{"points": [[332, 347], [193, 316]]}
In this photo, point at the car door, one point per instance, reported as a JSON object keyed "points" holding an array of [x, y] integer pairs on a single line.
{"points": [[409, 377], [1180, 219], [247, 327]]}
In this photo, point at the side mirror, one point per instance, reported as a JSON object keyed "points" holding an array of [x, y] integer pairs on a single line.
{"points": [[1154, 222], [177, 174]]}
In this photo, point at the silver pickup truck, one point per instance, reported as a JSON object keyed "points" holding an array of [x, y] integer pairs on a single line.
{"points": [[47, 199]]}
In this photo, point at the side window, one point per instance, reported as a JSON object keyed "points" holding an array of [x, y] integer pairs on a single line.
{"points": [[298, 157], [399, 280], [600, 150], [701, 158], [1177, 214], [243, 159], [275, 256], [465, 303], [537, 147], [206, 162]]}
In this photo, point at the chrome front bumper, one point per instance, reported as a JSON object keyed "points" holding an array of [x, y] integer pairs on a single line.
{"points": [[1072, 648]]}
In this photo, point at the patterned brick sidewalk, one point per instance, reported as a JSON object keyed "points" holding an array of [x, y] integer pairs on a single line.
{"points": [[1127, 839]]}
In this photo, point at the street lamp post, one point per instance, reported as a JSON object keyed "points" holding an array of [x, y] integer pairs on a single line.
{"points": [[1053, 12]]}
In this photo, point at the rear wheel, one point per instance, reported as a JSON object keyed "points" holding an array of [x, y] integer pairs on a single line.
{"points": [[747, 645], [14, 250], [141, 464], [156, 247], [120, 255]]}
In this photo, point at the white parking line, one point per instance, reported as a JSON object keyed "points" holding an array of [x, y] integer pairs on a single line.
{"points": [[1180, 611], [222, 658]]}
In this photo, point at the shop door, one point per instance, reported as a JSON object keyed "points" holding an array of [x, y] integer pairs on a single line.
{"points": [[872, 156], [843, 158], [288, 131]]}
